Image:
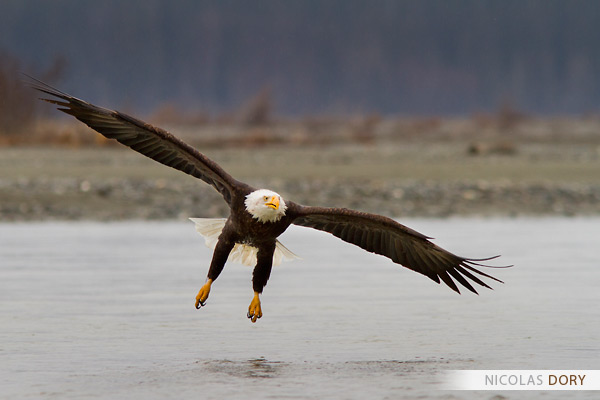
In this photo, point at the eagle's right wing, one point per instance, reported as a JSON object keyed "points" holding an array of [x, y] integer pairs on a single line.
{"points": [[151, 141]]}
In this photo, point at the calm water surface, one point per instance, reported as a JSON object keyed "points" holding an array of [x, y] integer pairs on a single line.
{"points": [[93, 310]]}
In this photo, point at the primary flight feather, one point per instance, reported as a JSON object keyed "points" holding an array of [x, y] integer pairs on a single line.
{"points": [[258, 216]]}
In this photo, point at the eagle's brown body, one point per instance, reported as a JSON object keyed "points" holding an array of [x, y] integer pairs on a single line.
{"points": [[242, 228]]}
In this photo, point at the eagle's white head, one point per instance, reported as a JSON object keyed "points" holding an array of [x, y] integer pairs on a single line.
{"points": [[265, 205]]}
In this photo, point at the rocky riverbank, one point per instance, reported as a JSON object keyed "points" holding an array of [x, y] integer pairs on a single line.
{"points": [[115, 199], [401, 180]]}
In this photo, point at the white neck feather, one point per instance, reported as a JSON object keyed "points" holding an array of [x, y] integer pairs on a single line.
{"points": [[255, 205]]}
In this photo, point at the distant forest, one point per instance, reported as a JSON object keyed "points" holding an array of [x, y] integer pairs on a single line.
{"points": [[446, 57]]}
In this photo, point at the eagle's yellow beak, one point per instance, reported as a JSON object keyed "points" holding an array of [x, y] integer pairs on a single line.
{"points": [[273, 202]]}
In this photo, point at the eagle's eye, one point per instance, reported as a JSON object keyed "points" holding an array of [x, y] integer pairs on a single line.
{"points": [[265, 198]]}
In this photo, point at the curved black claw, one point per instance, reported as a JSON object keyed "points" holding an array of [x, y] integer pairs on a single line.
{"points": [[200, 304], [250, 316]]}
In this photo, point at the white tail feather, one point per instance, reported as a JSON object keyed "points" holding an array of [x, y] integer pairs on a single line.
{"points": [[210, 229]]}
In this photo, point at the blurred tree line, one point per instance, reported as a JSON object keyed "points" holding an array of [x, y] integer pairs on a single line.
{"points": [[18, 105], [317, 56]]}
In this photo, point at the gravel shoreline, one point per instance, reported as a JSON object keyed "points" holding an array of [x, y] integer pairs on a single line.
{"points": [[157, 199], [398, 179]]}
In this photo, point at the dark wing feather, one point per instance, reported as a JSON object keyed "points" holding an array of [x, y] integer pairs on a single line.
{"points": [[144, 138], [382, 235]]}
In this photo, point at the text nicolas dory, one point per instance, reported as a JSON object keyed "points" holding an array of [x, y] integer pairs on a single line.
{"points": [[533, 380]]}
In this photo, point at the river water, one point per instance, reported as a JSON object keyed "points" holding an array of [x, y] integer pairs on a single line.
{"points": [[106, 311]]}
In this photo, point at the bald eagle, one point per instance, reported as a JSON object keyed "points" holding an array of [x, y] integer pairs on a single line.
{"points": [[258, 216]]}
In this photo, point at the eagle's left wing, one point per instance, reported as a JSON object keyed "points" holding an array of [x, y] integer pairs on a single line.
{"points": [[382, 235], [151, 141]]}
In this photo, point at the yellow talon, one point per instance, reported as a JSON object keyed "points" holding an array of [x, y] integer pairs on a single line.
{"points": [[203, 293], [254, 310]]}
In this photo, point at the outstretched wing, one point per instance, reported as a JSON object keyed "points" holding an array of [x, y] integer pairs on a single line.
{"points": [[144, 138], [382, 235]]}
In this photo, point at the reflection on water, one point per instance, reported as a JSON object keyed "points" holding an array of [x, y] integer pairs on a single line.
{"points": [[107, 311], [256, 368]]}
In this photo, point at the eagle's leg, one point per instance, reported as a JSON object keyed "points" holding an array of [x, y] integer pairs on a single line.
{"points": [[220, 255], [260, 276], [203, 293], [254, 310]]}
